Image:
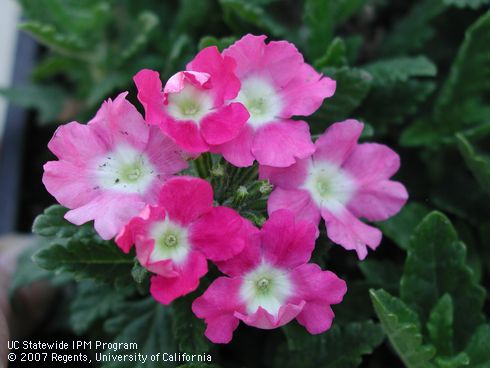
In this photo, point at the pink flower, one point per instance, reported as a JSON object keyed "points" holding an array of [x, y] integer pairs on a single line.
{"points": [[341, 181], [174, 238], [270, 283], [276, 84], [194, 108], [110, 168]]}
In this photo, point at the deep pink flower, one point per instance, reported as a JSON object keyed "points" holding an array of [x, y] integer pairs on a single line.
{"points": [[110, 168], [276, 84], [270, 283], [194, 108], [341, 181], [174, 238]]}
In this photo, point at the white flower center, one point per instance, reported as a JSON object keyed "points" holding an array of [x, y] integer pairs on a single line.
{"points": [[261, 100], [125, 169], [189, 104], [329, 186], [171, 241], [266, 286]]}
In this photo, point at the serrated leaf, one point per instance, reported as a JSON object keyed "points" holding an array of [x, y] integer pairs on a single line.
{"points": [[352, 87], [188, 329], [91, 303], [400, 227], [457, 361], [402, 326], [87, 259], [335, 55], [144, 322], [67, 44], [478, 165], [413, 31], [477, 349], [469, 76], [48, 100], [51, 223], [440, 326], [435, 265], [401, 69], [220, 43], [339, 347], [146, 22]]}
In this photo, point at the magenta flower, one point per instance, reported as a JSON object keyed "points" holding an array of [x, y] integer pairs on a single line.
{"points": [[341, 181], [174, 238], [110, 168], [270, 283], [194, 108], [276, 84]]}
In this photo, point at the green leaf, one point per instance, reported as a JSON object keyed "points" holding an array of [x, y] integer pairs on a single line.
{"points": [[477, 348], [412, 32], [66, 44], [87, 259], [401, 69], [352, 87], [339, 347], [440, 326], [188, 329], [469, 76], [402, 326], [474, 4], [400, 227], [478, 165], [51, 223], [91, 303], [457, 361], [144, 322], [321, 17], [220, 43], [435, 265], [335, 56], [146, 23], [46, 99]]}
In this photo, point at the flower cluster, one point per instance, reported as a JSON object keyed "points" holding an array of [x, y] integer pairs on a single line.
{"points": [[125, 173]]}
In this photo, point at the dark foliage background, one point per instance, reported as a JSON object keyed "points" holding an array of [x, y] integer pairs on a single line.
{"points": [[417, 73]]}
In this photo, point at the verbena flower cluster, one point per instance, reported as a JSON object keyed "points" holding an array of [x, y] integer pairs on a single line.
{"points": [[124, 172]]}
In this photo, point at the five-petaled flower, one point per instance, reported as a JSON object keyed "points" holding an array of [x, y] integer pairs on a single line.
{"points": [[194, 107], [276, 84], [341, 181], [110, 168], [270, 283], [174, 238]]}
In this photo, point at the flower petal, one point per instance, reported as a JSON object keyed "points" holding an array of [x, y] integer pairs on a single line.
{"points": [[217, 307], [263, 319], [186, 198], [297, 201], [338, 141], [370, 162], [345, 229], [379, 200], [218, 234], [320, 289], [185, 134], [286, 241], [290, 177], [225, 124], [150, 94], [238, 151], [167, 289], [305, 93], [280, 144]]}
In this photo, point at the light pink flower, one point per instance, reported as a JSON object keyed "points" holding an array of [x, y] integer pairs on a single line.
{"points": [[276, 84], [110, 168], [194, 108], [174, 238], [341, 181], [270, 283]]}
